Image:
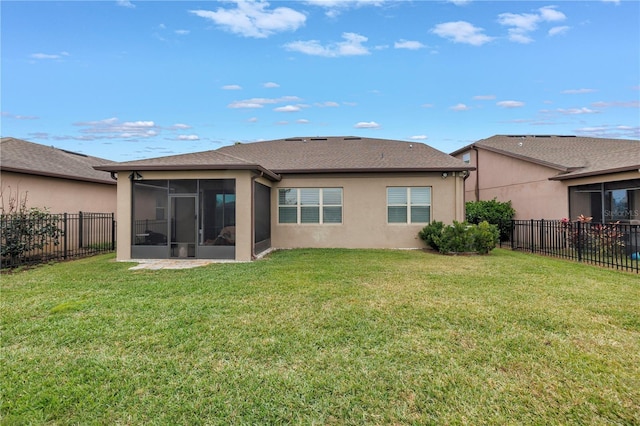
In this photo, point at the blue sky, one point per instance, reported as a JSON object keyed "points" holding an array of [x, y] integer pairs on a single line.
{"points": [[126, 80]]}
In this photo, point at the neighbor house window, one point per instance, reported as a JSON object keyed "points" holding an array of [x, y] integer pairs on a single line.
{"points": [[310, 205], [409, 204], [466, 157]]}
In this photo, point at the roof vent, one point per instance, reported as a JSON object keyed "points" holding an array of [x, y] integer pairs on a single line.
{"points": [[318, 139], [294, 139], [73, 153], [352, 138]]}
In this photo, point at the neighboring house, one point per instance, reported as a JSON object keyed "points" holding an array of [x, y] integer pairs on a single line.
{"points": [[52, 178], [238, 201], [555, 177]]}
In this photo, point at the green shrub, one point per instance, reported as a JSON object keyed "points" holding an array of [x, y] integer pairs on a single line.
{"points": [[495, 212], [485, 237], [431, 234], [457, 238], [460, 237]]}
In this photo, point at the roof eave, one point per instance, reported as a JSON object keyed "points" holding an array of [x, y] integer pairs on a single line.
{"points": [[175, 167], [526, 158], [106, 181], [568, 176], [377, 170]]}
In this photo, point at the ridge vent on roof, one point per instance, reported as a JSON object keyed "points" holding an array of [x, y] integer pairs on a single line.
{"points": [[294, 139], [352, 138], [318, 139], [73, 153]]}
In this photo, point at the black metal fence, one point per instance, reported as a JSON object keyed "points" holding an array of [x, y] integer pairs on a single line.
{"points": [[38, 237], [614, 245]]}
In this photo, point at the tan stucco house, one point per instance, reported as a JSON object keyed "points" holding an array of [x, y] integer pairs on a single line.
{"points": [[239, 201], [555, 177], [61, 181]]}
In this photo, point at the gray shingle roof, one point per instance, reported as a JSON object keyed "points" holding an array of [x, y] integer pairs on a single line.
{"points": [[571, 156], [334, 154], [17, 155], [309, 155], [205, 160]]}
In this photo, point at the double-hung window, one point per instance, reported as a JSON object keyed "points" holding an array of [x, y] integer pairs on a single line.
{"points": [[310, 205], [409, 204]]}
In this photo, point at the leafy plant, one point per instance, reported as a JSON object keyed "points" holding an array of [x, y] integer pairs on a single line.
{"points": [[431, 234], [24, 229], [493, 211], [460, 237]]}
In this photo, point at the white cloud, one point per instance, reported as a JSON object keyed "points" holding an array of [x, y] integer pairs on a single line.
{"points": [[302, 121], [18, 117], [270, 85], [48, 55], [335, 7], [459, 2], [577, 111], [620, 104], [327, 104], [254, 19], [558, 30], [111, 128], [180, 126], [261, 102], [419, 137], [577, 91], [352, 46], [253, 120], [125, 3], [367, 125], [231, 87], [188, 138], [484, 97], [287, 108], [462, 32], [522, 24], [427, 105], [510, 104], [182, 32], [460, 107], [550, 14], [408, 44]]}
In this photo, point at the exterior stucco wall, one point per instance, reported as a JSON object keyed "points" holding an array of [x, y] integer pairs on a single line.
{"points": [[244, 237], [59, 195], [364, 223], [525, 184]]}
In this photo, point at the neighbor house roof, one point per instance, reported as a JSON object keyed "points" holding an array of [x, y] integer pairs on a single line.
{"points": [[206, 160], [571, 156], [20, 156], [310, 155]]}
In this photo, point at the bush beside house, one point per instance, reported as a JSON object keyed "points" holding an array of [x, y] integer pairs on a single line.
{"points": [[461, 237], [493, 211]]}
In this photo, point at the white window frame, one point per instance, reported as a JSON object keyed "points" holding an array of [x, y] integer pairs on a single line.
{"points": [[409, 204], [321, 206]]}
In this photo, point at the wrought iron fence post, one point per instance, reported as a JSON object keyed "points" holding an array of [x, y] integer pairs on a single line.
{"points": [[64, 230], [511, 237], [579, 240], [531, 235], [80, 229], [542, 234], [113, 231]]}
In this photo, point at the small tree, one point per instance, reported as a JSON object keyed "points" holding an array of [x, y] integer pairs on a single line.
{"points": [[24, 229], [493, 211]]}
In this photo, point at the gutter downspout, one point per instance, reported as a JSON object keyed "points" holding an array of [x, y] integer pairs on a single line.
{"points": [[477, 188]]}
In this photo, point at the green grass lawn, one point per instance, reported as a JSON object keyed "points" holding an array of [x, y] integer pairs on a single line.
{"points": [[323, 337]]}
